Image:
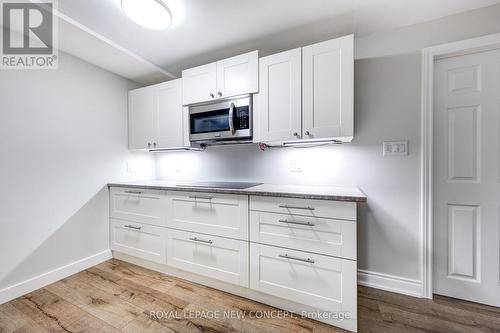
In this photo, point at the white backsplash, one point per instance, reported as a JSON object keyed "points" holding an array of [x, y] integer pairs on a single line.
{"points": [[325, 165]]}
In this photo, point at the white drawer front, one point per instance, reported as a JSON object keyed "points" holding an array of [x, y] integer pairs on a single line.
{"points": [[317, 208], [138, 205], [313, 234], [139, 240], [214, 214], [325, 283], [215, 257]]}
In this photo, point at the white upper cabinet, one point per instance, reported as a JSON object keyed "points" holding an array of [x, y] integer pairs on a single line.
{"points": [[199, 84], [225, 78], [327, 89], [238, 75], [279, 101], [306, 94], [156, 117], [168, 114], [140, 118]]}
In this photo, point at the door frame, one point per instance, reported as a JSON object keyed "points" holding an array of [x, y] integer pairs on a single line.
{"points": [[429, 56]]}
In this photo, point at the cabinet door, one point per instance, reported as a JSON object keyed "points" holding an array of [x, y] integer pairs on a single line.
{"points": [[168, 117], [139, 240], [238, 75], [199, 84], [322, 282], [137, 205], [313, 234], [224, 215], [140, 115], [185, 127], [280, 97], [215, 257], [327, 87]]}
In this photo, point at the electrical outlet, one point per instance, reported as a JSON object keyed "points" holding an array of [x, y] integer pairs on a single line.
{"points": [[130, 167], [178, 167], [296, 166], [395, 148]]}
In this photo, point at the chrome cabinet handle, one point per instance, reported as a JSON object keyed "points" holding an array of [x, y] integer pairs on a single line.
{"points": [[212, 95], [195, 239], [133, 192], [132, 227], [297, 222], [149, 144], [296, 207], [200, 197], [219, 93], [307, 133], [295, 134], [231, 118], [286, 256], [154, 144]]}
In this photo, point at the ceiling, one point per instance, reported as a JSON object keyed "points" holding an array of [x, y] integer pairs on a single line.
{"points": [[207, 30]]}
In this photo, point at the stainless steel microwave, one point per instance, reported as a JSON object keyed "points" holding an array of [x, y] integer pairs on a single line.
{"points": [[224, 120]]}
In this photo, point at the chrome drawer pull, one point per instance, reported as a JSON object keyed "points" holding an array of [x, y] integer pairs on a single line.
{"points": [[201, 240], [200, 197], [296, 222], [133, 227], [286, 256], [296, 207], [133, 192]]}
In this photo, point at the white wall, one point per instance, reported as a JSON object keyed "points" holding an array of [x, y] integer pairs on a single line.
{"points": [[387, 107], [63, 137]]}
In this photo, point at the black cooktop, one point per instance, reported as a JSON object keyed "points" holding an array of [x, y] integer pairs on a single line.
{"points": [[229, 185]]}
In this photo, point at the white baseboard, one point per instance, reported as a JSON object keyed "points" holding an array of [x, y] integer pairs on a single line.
{"points": [[57, 274], [392, 283]]}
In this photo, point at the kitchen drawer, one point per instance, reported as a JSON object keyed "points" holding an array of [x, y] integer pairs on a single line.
{"points": [[215, 214], [317, 208], [322, 282], [137, 205], [215, 257], [139, 240], [313, 234]]}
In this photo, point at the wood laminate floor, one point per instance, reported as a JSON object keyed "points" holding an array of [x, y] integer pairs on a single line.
{"points": [[118, 297]]}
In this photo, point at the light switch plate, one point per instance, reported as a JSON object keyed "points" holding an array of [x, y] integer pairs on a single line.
{"points": [[130, 167], [395, 148]]}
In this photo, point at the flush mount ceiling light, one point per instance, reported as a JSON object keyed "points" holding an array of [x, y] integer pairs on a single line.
{"points": [[151, 14]]}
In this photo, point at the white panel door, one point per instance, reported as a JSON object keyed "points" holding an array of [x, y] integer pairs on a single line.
{"points": [[280, 97], [327, 87], [140, 118], [168, 114], [238, 75], [466, 177], [199, 84]]}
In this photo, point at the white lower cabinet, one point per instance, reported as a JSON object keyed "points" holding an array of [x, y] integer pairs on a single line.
{"points": [[322, 282], [296, 254], [139, 240], [211, 256], [223, 215]]}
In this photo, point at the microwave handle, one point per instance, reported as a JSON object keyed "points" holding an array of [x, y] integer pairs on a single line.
{"points": [[231, 118]]}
